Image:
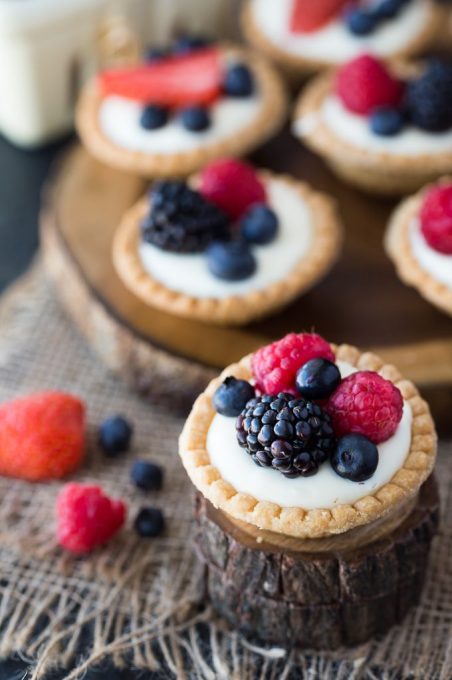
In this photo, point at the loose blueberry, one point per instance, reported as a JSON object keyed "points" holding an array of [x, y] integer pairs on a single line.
{"points": [[387, 121], [195, 118], [190, 43], [232, 396], [147, 476], [115, 434], [153, 117], [360, 22], [149, 522], [238, 81], [155, 54], [355, 457], [259, 225], [317, 379], [232, 260]]}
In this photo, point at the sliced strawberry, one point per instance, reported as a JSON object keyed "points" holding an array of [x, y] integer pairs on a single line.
{"points": [[309, 15], [177, 81]]}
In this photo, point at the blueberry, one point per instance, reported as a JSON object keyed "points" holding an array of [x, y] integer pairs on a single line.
{"points": [[360, 22], [115, 434], [317, 379], [387, 9], [149, 522], [355, 457], [238, 81], [186, 44], [147, 476], [195, 118], [153, 117], [232, 396], [387, 121], [259, 225], [155, 54], [232, 260]]}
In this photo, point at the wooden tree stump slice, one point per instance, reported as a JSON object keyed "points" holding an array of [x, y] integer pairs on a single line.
{"points": [[316, 600]]}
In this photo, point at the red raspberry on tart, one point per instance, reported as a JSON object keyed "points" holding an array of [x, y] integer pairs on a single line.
{"points": [[436, 218], [308, 16], [232, 185], [365, 84]]}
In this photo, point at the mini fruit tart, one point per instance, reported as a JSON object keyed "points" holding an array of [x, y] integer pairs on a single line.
{"points": [[419, 241], [171, 114], [311, 461], [384, 130], [304, 36], [232, 246]]}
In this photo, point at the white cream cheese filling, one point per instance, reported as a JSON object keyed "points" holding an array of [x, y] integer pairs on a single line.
{"points": [[189, 274], [334, 42], [324, 489], [438, 265]]}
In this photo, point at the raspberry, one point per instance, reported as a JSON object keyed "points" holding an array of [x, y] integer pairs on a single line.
{"points": [[308, 16], [42, 436], [232, 185], [365, 84], [436, 218], [86, 517], [367, 404], [275, 366]]}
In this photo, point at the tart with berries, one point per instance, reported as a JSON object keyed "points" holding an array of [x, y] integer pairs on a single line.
{"points": [[171, 114], [385, 130], [315, 503], [232, 245], [419, 241], [304, 36]]}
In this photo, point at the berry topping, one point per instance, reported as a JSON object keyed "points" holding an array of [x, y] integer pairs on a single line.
{"points": [[238, 81], [388, 9], [176, 81], [232, 396], [365, 84], [294, 436], [195, 118], [387, 121], [42, 436], [147, 476], [429, 98], [232, 260], [185, 44], [367, 404], [153, 117], [275, 366], [436, 218], [259, 225], [86, 517], [115, 434], [149, 522], [355, 457], [232, 185], [181, 220], [317, 379], [308, 16], [155, 54], [360, 21]]}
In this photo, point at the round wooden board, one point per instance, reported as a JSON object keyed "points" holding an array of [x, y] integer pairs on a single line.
{"points": [[361, 301]]}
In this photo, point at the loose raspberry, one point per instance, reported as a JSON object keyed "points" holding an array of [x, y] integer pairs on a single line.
{"points": [[86, 517], [176, 81], [367, 404], [232, 185], [436, 218], [42, 436], [365, 84], [308, 16], [275, 366]]}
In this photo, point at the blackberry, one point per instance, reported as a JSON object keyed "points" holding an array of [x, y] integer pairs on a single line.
{"points": [[292, 435], [429, 98], [181, 220]]}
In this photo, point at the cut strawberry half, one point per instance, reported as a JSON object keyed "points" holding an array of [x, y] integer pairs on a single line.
{"points": [[310, 15], [177, 81]]}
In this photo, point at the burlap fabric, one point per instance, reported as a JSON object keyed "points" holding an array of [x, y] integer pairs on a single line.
{"points": [[141, 602]]}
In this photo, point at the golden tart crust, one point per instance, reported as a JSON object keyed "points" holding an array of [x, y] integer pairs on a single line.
{"points": [[398, 247], [266, 123], [234, 309], [296, 521], [295, 64], [373, 171]]}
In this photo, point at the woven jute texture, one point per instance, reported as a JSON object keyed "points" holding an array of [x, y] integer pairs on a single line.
{"points": [[140, 602]]}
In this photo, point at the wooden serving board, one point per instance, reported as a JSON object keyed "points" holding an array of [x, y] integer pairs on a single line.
{"points": [[361, 301]]}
